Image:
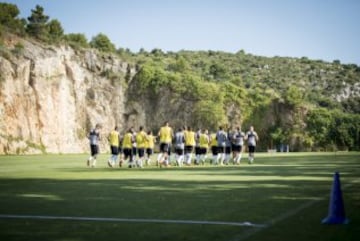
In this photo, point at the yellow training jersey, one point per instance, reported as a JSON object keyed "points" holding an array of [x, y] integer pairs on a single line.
{"points": [[165, 134], [141, 139], [204, 141], [127, 141], [189, 138], [114, 138], [213, 141], [149, 143]]}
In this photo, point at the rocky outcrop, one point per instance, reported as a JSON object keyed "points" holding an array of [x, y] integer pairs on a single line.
{"points": [[51, 96]]}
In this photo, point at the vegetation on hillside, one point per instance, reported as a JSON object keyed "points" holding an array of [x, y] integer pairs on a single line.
{"points": [[307, 104]]}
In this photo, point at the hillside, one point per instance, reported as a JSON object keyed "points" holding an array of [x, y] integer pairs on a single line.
{"points": [[55, 87], [309, 104], [51, 96]]}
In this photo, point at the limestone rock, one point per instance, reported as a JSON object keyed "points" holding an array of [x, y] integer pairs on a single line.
{"points": [[51, 96]]}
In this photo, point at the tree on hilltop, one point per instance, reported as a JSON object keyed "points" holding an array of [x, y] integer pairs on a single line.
{"points": [[9, 18], [37, 23], [55, 30], [102, 43]]}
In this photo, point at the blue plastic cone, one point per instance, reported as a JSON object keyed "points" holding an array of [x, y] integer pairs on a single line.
{"points": [[336, 213]]}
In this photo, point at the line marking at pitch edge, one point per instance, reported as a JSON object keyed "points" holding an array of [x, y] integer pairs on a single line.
{"points": [[133, 220]]}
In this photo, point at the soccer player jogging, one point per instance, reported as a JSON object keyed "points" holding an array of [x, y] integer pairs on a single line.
{"points": [[165, 134], [140, 144], [114, 140], [121, 153], [127, 147], [221, 138], [179, 140], [197, 147], [204, 145], [227, 149], [134, 147], [189, 136], [149, 146], [214, 148], [252, 138], [237, 144], [94, 138]]}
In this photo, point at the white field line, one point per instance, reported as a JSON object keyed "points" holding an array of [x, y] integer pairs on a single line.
{"points": [[129, 220], [286, 215], [241, 237]]}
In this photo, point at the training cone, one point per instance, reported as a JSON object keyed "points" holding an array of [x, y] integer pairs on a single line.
{"points": [[336, 213]]}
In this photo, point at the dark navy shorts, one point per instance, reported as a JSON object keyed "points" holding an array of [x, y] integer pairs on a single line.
{"points": [[164, 147], [94, 149], [251, 149], [114, 150]]}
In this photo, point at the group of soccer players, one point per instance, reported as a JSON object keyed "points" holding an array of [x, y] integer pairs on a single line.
{"points": [[136, 148]]}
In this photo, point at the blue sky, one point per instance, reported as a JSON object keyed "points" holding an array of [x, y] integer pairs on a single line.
{"points": [[318, 29]]}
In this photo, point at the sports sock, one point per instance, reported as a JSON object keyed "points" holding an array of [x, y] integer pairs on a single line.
{"points": [[186, 158], [140, 163], [159, 159], [197, 159], [226, 159], [214, 159], [222, 158], [114, 159], [203, 159], [219, 159], [181, 160]]}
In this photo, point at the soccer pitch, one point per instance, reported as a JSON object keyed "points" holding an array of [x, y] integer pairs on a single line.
{"points": [[279, 197]]}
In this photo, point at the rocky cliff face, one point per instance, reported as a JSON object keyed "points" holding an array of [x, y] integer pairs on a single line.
{"points": [[51, 96]]}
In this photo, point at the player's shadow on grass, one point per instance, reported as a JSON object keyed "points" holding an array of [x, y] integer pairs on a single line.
{"points": [[150, 198], [254, 200]]}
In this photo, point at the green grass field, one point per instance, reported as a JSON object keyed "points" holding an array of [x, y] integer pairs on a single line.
{"points": [[289, 193]]}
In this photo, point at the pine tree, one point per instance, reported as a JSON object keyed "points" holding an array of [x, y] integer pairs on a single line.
{"points": [[37, 23], [9, 18], [55, 30]]}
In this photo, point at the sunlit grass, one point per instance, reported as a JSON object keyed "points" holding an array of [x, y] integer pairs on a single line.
{"points": [[62, 185]]}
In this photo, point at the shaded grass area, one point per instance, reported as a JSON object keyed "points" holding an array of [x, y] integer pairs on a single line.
{"points": [[60, 185], [305, 225]]}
